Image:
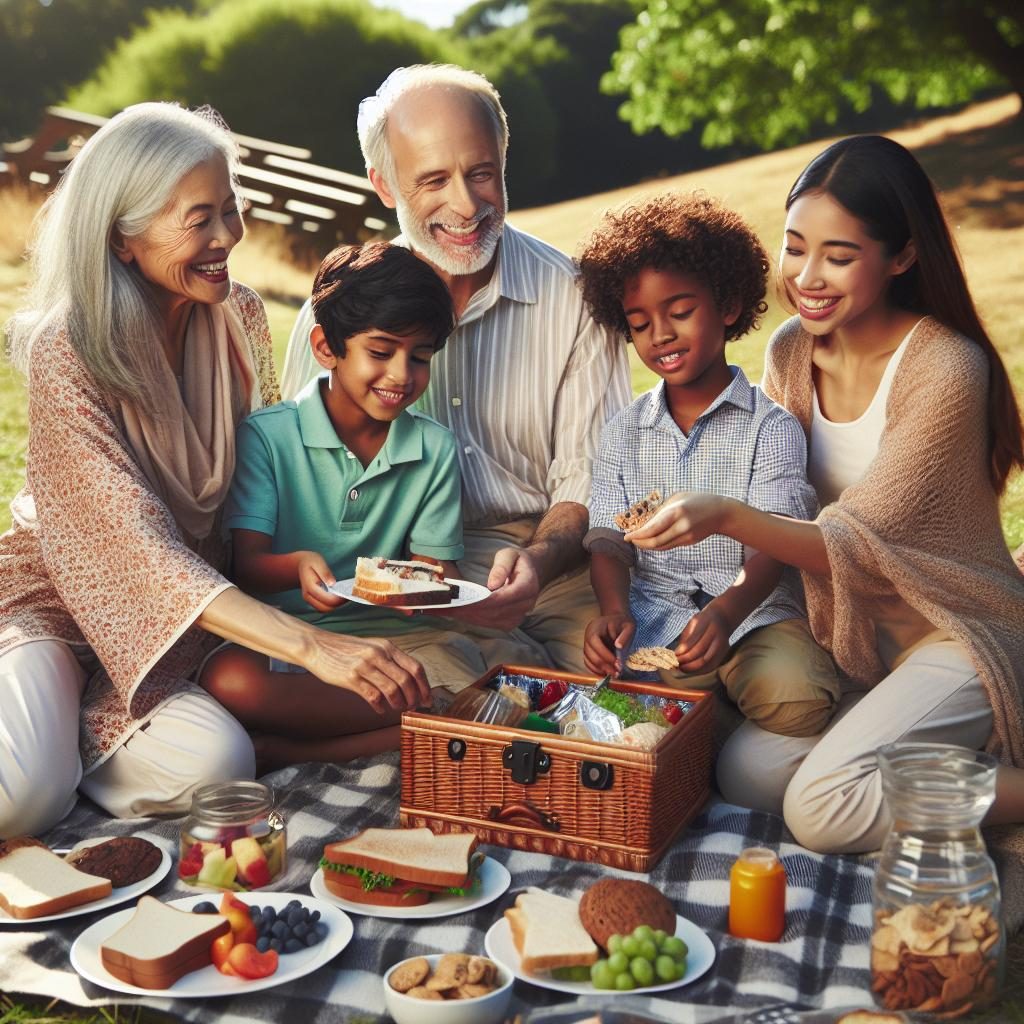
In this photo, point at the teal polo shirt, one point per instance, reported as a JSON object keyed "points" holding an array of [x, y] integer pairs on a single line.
{"points": [[297, 482]]}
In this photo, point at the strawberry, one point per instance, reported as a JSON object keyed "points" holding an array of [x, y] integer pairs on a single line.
{"points": [[552, 693], [672, 712]]}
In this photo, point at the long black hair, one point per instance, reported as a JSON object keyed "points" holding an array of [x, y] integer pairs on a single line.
{"points": [[888, 191]]}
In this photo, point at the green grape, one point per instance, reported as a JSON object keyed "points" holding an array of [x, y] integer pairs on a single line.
{"points": [[575, 973], [630, 946], [660, 937], [665, 968], [624, 982], [648, 950], [619, 962], [601, 975], [675, 948], [643, 933], [614, 943], [642, 971]]}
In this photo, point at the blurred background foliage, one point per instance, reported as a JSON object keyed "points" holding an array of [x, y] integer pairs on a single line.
{"points": [[600, 93]]}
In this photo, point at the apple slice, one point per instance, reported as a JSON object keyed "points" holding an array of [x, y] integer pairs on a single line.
{"points": [[253, 869]]}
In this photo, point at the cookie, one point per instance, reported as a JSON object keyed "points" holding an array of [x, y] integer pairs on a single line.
{"points": [[650, 659], [615, 906], [636, 515], [125, 860], [421, 992], [410, 975]]}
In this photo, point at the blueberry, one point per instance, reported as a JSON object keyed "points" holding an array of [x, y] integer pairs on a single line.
{"points": [[321, 931], [280, 930], [206, 907], [255, 913], [269, 915], [312, 937], [294, 916], [263, 943], [300, 930], [276, 945], [292, 904], [314, 917], [293, 946]]}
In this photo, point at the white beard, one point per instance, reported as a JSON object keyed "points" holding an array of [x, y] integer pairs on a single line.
{"points": [[453, 260]]}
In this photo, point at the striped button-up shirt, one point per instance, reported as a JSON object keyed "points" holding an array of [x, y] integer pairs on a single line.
{"points": [[526, 382], [742, 446]]}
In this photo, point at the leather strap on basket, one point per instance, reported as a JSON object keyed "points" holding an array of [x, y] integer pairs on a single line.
{"points": [[524, 815]]}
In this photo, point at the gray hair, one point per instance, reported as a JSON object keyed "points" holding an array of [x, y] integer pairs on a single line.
{"points": [[124, 176], [372, 120]]}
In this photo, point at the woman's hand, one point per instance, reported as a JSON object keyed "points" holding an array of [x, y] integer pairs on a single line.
{"points": [[315, 577], [704, 642], [605, 639], [686, 518], [384, 676]]}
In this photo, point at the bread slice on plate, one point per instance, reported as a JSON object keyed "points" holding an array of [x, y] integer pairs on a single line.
{"points": [[35, 882], [160, 944], [548, 933]]}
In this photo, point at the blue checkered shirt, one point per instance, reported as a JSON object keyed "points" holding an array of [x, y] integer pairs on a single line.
{"points": [[742, 446]]}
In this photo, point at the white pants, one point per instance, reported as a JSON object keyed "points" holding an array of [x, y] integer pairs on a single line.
{"points": [[189, 742], [828, 787]]}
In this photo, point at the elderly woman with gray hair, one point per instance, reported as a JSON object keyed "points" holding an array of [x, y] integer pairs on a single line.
{"points": [[142, 356]]}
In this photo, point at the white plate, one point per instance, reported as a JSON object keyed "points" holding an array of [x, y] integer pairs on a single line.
{"points": [[500, 947], [125, 892], [494, 880], [202, 984], [469, 593]]}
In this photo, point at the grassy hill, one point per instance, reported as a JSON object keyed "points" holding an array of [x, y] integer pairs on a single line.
{"points": [[975, 156]]}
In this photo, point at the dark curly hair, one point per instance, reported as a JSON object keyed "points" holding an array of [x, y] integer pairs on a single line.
{"points": [[691, 233], [378, 286]]}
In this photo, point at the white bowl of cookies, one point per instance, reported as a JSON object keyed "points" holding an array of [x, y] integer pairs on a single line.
{"points": [[448, 988]]}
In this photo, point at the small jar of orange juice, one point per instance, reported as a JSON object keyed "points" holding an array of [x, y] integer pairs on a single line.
{"points": [[757, 895]]}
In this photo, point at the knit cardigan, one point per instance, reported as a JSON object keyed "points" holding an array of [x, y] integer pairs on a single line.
{"points": [[922, 523]]}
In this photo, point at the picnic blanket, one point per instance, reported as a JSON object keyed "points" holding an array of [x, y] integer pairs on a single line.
{"points": [[822, 960]]}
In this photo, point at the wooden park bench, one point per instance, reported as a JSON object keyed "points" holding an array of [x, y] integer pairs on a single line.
{"points": [[278, 181]]}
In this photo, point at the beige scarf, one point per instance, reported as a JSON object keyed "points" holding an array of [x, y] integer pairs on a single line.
{"points": [[187, 450]]}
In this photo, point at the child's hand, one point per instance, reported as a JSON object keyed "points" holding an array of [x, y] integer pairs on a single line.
{"points": [[314, 577], [605, 639], [685, 518], [704, 643]]}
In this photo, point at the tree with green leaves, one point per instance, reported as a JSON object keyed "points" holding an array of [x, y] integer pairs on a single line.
{"points": [[769, 72]]}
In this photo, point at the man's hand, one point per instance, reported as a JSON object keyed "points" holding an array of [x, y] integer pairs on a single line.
{"points": [[514, 584], [605, 639], [704, 643], [384, 676], [686, 518], [315, 577]]}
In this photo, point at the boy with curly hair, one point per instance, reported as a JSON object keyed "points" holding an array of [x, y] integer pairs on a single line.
{"points": [[679, 276]]}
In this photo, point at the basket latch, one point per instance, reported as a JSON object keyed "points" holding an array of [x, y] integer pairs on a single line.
{"points": [[525, 759], [596, 775]]}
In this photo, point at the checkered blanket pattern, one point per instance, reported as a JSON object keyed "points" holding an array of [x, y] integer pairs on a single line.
{"points": [[822, 960]]}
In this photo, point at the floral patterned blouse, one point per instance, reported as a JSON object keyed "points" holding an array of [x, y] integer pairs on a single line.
{"points": [[95, 559]]}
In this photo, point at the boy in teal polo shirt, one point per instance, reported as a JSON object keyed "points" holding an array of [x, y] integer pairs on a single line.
{"points": [[345, 470]]}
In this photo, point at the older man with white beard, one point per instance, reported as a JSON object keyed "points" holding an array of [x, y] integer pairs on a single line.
{"points": [[526, 381]]}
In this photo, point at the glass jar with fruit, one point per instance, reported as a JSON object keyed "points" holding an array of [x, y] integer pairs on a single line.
{"points": [[233, 838], [937, 944]]}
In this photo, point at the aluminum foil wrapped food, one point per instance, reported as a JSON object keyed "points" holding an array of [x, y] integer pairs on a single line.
{"points": [[578, 716]]}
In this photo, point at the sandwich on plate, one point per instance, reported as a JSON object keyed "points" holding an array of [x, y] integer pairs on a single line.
{"points": [[548, 933], [401, 867], [160, 944], [35, 882], [388, 582]]}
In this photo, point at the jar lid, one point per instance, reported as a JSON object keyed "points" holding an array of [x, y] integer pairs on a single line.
{"points": [[235, 802], [759, 856]]}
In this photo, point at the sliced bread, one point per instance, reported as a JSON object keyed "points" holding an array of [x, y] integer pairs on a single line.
{"points": [[413, 854], [35, 882], [548, 933], [160, 944]]}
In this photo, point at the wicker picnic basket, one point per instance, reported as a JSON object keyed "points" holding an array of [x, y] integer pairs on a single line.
{"points": [[550, 794]]}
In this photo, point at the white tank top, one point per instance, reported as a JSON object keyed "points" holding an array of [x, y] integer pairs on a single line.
{"points": [[840, 453]]}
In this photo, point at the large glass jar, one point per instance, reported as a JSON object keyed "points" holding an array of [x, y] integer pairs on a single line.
{"points": [[937, 944], [233, 838]]}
